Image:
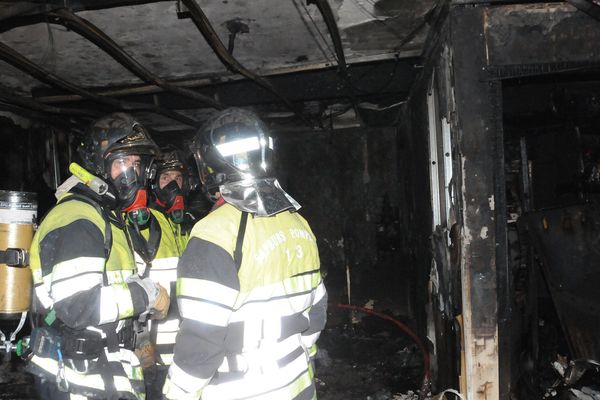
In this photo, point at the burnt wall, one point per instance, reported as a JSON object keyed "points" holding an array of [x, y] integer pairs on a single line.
{"points": [[25, 160], [413, 161], [350, 186]]}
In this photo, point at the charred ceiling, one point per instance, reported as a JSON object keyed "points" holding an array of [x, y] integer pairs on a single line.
{"points": [[172, 62]]}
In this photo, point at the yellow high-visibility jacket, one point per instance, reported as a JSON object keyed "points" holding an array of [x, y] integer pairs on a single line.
{"points": [[69, 272], [249, 333], [164, 271]]}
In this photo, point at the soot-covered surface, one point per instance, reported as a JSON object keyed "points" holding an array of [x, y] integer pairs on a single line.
{"points": [[366, 357], [15, 384]]}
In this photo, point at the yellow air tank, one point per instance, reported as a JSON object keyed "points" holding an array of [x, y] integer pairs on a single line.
{"points": [[18, 216]]}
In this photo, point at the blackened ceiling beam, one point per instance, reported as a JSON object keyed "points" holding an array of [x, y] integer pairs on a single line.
{"points": [[95, 35], [7, 96], [213, 40], [20, 62], [327, 14], [391, 78], [22, 13], [484, 2], [46, 119], [587, 6]]}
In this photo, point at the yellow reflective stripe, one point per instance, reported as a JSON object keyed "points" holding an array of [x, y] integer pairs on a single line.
{"points": [[285, 288], [320, 292], [297, 284], [164, 278], [43, 296], [259, 386], [36, 271], [181, 385], [165, 263], [67, 288], [123, 300], [312, 350], [76, 266], [88, 380], [166, 359], [115, 303], [310, 340], [166, 337], [170, 325], [279, 307], [202, 311], [118, 276], [204, 289], [109, 310]]}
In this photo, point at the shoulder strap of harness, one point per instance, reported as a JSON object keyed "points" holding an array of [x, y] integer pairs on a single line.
{"points": [[105, 217], [237, 253]]}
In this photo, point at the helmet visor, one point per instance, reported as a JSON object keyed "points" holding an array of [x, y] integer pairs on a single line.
{"points": [[246, 151], [125, 164]]}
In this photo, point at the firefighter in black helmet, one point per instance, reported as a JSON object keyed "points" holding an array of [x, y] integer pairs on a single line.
{"points": [[159, 245], [169, 192], [249, 287], [87, 290]]}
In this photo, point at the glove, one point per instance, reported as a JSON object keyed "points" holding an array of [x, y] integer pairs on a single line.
{"points": [[145, 352], [158, 299], [160, 308]]}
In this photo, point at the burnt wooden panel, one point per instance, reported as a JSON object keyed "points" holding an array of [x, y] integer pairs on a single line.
{"points": [[567, 241], [479, 130]]}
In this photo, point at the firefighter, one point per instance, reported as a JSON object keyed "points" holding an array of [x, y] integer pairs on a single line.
{"points": [[87, 290], [249, 287], [158, 246], [169, 194]]}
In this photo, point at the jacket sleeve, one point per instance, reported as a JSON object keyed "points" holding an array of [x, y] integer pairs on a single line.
{"points": [[207, 289], [317, 318], [72, 262]]}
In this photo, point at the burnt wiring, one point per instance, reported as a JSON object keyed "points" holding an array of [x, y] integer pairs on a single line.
{"points": [[353, 89], [314, 23]]}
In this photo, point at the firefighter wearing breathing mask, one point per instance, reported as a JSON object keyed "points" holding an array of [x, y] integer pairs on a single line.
{"points": [[87, 291], [158, 245], [169, 193], [249, 287]]}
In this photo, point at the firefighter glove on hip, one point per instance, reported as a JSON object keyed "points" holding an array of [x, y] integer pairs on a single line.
{"points": [[158, 302]]}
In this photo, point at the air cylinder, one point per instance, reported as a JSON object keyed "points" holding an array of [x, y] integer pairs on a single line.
{"points": [[18, 216]]}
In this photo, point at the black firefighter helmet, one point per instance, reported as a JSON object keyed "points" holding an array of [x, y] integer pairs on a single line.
{"points": [[119, 149], [171, 196]]}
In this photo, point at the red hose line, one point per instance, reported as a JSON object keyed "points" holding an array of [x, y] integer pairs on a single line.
{"points": [[404, 329]]}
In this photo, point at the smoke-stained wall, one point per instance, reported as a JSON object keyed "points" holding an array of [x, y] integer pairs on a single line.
{"points": [[350, 187], [25, 160]]}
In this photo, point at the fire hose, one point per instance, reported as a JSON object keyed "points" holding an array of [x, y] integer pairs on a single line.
{"points": [[404, 329]]}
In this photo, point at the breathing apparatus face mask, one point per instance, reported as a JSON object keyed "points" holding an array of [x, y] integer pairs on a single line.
{"points": [[128, 176], [170, 197]]}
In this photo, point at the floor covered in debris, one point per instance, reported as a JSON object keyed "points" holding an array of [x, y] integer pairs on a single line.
{"points": [[367, 358], [360, 357]]}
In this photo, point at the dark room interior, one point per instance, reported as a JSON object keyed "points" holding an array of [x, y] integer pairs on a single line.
{"points": [[446, 154]]}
